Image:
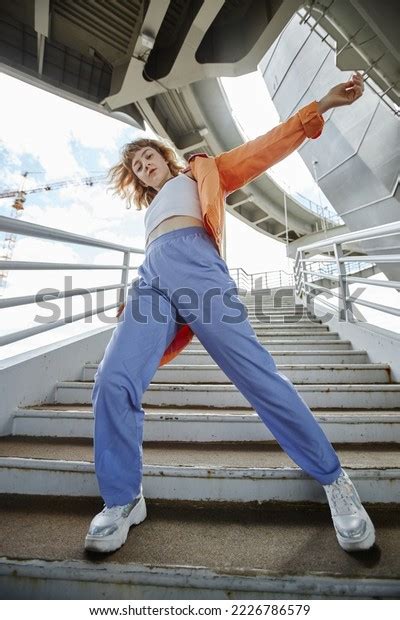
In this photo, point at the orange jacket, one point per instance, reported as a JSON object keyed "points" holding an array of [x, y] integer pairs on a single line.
{"points": [[221, 175]]}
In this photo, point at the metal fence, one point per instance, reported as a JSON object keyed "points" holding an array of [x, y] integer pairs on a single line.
{"points": [[261, 279], [11, 225], [307, 270]]}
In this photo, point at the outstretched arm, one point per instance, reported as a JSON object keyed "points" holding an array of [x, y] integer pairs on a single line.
{"points": [[246, 162]]}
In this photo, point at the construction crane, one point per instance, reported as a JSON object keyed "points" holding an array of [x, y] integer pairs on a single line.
{"points": [[20, 194], [17, 208]]}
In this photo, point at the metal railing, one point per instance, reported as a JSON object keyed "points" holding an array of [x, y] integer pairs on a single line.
{"points": [[330, 219], [11, 225], [319, 269], [341, 266], [261, 279], [373, 69], [325, 212], [306, 271]]}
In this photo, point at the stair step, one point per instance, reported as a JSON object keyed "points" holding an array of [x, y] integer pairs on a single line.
{"points": [[224, 471], [297, 373], [360, 396], [190, 551], [274, 321], [203, 425], [253, 302], [279, 315], [202, 357], [277, 310], [278, 335], [300, 343], [268, 314], [230, 471], [290, 328]]}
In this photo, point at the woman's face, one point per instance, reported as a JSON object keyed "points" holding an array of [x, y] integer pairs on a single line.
{"points": [[150, 167]]}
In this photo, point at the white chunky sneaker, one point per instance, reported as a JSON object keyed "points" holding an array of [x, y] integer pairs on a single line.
{"points": [[354, 529], [109, 529]]}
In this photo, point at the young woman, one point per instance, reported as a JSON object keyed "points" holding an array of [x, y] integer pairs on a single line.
{"points": [[184, 225]]}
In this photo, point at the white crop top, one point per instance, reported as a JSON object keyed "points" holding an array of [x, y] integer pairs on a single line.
{"points": [[178, 196]]}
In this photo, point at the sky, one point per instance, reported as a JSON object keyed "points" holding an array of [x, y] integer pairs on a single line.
{"points": [[54, 139]]}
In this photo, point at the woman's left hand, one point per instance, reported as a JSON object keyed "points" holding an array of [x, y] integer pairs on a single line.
{"points": [[120, 309], [345, 93]]}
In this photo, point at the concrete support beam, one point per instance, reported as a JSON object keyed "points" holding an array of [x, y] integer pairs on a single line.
{"points": [[42, 19]]}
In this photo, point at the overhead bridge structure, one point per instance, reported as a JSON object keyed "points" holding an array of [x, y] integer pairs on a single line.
{"points": [[160, 62]]}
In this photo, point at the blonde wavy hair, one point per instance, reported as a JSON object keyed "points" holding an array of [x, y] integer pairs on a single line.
{"points": [[126, 184]]}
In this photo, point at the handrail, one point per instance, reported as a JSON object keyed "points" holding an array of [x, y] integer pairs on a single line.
{"points": [[324, 212], [272, 279], [261, 279], [303, 269], [307, 17], [11, 302], [10, 224], [18, 265], [18, 227], [358, 235]]}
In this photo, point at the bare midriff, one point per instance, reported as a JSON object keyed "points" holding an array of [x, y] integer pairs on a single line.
{"points": [[173, 223]]}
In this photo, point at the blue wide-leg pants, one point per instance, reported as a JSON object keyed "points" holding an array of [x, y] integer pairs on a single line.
{"points": [[184, 280]]}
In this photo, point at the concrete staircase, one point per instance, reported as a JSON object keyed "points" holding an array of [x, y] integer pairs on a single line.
{"points": [[230, 515]]}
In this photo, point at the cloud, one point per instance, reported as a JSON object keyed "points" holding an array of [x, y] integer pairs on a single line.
{"points": [[58, 124]]}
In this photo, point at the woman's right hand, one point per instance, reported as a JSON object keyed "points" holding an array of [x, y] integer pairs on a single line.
{"points": [[344, 93]]}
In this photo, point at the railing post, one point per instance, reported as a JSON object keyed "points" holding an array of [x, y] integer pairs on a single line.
{"points": [[304, 280], [298, 276], [298, 273], [345, 313], [124, 279]]}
